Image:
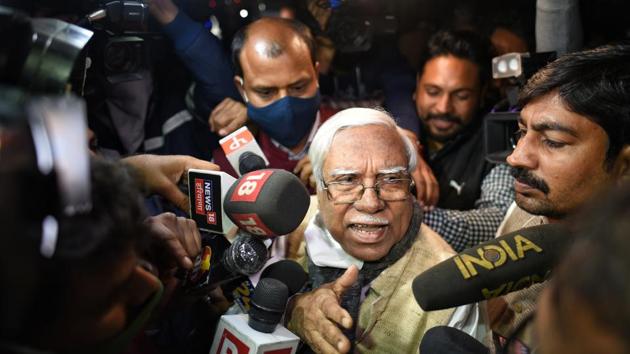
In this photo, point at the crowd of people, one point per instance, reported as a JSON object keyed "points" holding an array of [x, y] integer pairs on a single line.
{"points": [[395, 190]]}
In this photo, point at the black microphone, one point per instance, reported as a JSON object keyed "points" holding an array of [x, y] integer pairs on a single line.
{"points": [[249, 162], [246, 255], [259, 331], [508, 263], [268, 303], [449, 340], [221, 263], [243, 152], [289, 272], [267, 203]]}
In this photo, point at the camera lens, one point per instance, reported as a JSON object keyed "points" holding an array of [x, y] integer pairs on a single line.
{"points": [[123, 56]]}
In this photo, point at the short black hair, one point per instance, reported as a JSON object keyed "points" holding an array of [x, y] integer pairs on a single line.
{"points": [[301, 30], [89, 242], [594, 83], [596, 269], [463, 44]]}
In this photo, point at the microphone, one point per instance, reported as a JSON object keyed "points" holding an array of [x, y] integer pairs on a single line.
{"points": [[219, 265], [206, 192], [508, 263], [259, 331], [249, 162], [246, 255], [267, 203], [268, 303], [243, 152], [449, 340], [289, 272]]}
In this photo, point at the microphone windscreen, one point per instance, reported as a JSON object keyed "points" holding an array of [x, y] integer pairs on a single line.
{"points": [[508, 263], [267, 304], [267, 202], [449, 340], [288, 272], [246, 255], [249, 162]]}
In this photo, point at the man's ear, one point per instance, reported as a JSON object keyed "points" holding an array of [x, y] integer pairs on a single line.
{"points": [[621, 168], [238, 82]]}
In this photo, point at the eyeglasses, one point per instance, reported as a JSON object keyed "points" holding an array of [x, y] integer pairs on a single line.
{"points": [[348, 189]]}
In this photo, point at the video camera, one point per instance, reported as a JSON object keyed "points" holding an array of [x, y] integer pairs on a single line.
{"points": [[502, 123], [118, 48]]}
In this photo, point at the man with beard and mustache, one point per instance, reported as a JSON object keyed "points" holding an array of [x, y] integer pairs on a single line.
{"points": [[474, 195], [574, 140]]}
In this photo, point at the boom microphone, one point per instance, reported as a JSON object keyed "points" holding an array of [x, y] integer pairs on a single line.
{"points": [[508, 263], [267, 203]]}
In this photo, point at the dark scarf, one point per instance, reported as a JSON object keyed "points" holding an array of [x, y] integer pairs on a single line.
{"points": [[351, 300]]}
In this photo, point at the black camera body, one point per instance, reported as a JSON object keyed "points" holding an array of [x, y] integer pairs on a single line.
{"points": [[501, 125], [118, 48]]}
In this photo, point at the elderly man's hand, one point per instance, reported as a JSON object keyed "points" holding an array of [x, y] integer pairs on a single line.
{"points": [[160, 174], [304, 170], [227, 116], [428, 190], [317, 315]]}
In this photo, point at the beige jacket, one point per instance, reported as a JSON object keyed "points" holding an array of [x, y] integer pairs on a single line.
{"points": [[520, 304], [390, 319]]}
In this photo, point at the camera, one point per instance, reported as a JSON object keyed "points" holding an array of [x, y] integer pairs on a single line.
{"points": [[118, 48], [501, 125]]}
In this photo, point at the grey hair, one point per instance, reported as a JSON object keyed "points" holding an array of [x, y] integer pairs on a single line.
{"points": [[348, 118]]}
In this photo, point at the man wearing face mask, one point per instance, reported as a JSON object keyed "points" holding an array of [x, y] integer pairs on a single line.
{"points": [[276, 74]]}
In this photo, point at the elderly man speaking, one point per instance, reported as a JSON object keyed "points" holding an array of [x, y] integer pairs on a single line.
{"points": [[367, 243]]}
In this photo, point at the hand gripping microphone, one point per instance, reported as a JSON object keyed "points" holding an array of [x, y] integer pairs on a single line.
{"points": [[267, 203], [508, 263]]}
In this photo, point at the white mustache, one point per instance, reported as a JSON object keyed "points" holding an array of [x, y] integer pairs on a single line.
{"points": [[369, 219]]}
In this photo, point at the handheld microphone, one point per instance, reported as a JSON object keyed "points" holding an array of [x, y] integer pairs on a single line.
{"points": [[206, 192], [243, 152], [508, 263], [268, 303], [259, 331], [289, 272], [246, 255], [267, 203], [449, 340], [221, 263]]}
